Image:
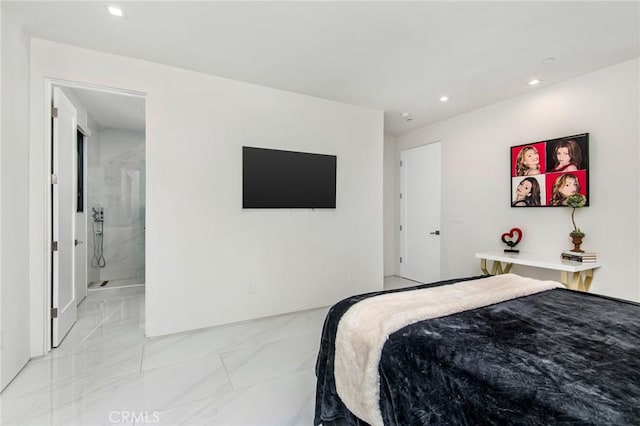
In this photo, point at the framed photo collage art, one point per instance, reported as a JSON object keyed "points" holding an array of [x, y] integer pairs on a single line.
{"points": [[545, 173]]}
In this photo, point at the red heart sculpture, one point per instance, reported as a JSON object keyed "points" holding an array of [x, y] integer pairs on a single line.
{"points": [[509, 238]]}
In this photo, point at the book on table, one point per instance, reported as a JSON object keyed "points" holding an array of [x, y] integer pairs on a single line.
{"points": [[579, 257], [581, 254]]}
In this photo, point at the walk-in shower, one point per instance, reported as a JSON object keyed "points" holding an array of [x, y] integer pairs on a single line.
{"points": [[116, 190]]}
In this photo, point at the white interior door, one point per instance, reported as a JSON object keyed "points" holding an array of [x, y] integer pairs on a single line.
{"points": [[63, 293], [420, 186]]}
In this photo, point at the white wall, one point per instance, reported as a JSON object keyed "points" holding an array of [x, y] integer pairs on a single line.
{"points": [[83, 116], [476, 187], [390, 202], [117, 184], [1, 139], [14, 221], [204, 253]]}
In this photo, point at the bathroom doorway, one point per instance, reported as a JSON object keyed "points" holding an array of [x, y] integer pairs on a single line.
{"points": [[96, 205], [110, 189]]}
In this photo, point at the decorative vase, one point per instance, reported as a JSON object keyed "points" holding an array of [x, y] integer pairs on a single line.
{"points": [[576, 244]]}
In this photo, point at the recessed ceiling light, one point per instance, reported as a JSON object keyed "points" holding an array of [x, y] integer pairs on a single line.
{"points": [[116, 11], [534, 82], [444, 98], [548, 61]]}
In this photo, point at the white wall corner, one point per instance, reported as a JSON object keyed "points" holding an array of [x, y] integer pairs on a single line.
{"points": [[391, 225], [475, 165], [296, 259], [14, 198]]}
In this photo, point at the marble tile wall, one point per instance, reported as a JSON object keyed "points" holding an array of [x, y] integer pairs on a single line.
{"points": [[116, 182]]}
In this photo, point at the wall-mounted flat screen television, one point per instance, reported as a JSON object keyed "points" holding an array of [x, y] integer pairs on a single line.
{"points": [[276, 179]]}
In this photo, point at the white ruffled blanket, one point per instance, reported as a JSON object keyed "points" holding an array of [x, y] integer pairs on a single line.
{"points": [[365, 327]]}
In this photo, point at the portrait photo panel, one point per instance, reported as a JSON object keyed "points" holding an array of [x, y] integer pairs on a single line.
{"points": [[568, 154], [528, 191], [560, 185], [529, 159]]}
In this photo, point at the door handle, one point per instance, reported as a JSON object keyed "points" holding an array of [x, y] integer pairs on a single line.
{"points": [[78, 242], [435, 232]]}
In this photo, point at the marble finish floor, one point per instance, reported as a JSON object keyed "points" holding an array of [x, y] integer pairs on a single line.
{"points": [[258, 372]]}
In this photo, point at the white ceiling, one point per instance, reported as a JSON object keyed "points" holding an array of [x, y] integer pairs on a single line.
{"points": [[394, 56], [118, 111]]}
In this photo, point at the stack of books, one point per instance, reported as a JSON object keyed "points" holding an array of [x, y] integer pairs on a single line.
{"points": [[579, 257]]}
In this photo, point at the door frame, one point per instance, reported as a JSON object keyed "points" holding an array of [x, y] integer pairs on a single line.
{"points": [[86, 135], [398, 212], [64, 167], [41, 328]]}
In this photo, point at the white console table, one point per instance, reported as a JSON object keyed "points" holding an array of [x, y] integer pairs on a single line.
{"points": [[574, 275]]}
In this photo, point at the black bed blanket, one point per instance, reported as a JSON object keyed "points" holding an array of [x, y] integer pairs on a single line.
{"points": [[557, 357]]}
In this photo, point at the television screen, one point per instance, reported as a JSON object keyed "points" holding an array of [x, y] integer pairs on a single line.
{"points": [[275, 179]]}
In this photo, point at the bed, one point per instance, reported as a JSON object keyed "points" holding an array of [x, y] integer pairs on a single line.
{"points": [[554, 356]]}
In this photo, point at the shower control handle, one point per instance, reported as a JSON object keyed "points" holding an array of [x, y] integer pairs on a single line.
{"points": [[78, 242], [98, 214]]}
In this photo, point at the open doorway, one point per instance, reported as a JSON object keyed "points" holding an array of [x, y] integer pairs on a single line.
{"points": [[115, 189], [101, 203]]}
